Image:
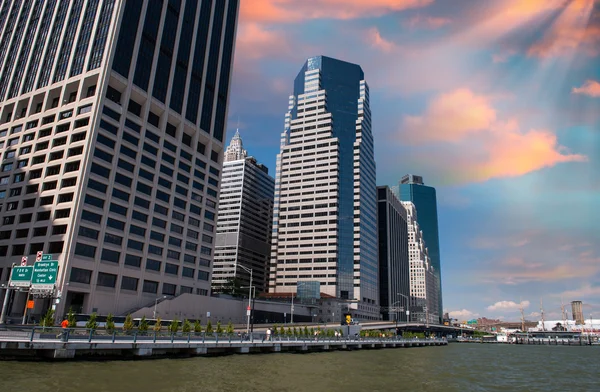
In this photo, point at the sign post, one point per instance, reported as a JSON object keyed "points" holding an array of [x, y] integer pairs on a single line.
{"points": [[44, 275], [20, 276]]}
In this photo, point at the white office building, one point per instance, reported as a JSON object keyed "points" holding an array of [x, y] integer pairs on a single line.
{"points": [[112, 122], [244, 221], [423, 284], [325, 217]]}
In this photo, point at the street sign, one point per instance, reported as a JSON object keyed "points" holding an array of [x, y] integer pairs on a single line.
{"points": [[44, 275], [46, 257], [20, 276], [23, 261], [38, 256]]}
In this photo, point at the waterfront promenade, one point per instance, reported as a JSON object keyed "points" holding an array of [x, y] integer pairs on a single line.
{"points": [[37, 343]]}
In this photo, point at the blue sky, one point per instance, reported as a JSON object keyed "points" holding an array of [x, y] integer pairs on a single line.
{"points": [[495, 103]]}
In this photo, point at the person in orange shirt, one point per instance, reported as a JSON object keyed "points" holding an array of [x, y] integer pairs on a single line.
{"points": [[65, 324]]}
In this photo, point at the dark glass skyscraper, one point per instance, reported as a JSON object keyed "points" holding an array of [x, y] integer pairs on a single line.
{"points": [[424, 198], [325, 216]]}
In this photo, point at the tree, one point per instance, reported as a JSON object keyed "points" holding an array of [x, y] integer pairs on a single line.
{"points": [[158, 325], [282, 331], [110, 324], [143, 325], [209, 328], [233, 287], [275, 329], [128, 325], [219, 328], [289, 331], [48, 319], [187, 326], [91, 323], [305, 331], [174, 326], [295, 331], [229, 328], [197, 327], [71, 319], [312, 332]]}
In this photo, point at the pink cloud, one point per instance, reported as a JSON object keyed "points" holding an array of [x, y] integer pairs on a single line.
{"points": [[427, 22], [590, 88], [286, 11], [255, 41], [375, 39], [476, 143]]}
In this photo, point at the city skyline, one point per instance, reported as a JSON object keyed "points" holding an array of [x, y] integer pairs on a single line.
{"points": [[501, 124]]}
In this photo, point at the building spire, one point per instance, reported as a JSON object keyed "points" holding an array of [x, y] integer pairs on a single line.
{"points": [[235, 151]]}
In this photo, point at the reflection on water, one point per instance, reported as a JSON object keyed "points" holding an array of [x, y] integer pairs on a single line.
{"points": [[457, 367]]}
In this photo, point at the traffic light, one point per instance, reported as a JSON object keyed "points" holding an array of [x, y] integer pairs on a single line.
{"points": [[348, 318]]}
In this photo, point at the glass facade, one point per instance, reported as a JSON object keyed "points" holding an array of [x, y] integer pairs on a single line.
{"points": [[425, 200]]}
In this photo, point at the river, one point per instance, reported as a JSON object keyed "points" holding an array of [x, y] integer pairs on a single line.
{"points": [[457, 367]]}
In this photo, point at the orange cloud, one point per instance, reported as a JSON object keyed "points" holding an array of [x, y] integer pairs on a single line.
{"points": [[254, 41], [451, 117], [283, 11], [590, 88], [375, 39], [428, 22], [572, 30], [476, 144]]}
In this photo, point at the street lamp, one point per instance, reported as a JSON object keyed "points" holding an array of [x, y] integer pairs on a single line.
{"points": [[156, 303], [249, 270], [407, 305]]}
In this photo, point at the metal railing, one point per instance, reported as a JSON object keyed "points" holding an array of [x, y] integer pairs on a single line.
{"points": [[88, 335]]}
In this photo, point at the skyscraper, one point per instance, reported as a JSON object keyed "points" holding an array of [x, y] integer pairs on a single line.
{"points": [[424, 296], [112, 123], [325, 214], [413, 189], [245, 220], [394, 279]]}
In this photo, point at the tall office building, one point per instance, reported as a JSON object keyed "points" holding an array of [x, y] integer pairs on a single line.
{"points": [[423, 282], [325, 213], [412, 188], [577, 311], [394, 262], [244, 221], [112, 123]]}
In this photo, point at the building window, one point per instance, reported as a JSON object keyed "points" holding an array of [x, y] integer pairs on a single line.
{"points": [[79, 275], [106, 280]]}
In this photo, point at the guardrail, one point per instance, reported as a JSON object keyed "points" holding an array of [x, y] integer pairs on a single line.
{"points": [[56, 334]]}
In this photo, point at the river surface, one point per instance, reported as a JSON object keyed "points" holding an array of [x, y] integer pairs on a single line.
{"points": [[457, 367]]}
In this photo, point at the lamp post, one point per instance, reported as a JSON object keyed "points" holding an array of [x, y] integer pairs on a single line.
{"points": [[156, 303], [249, 270], [407, 305]]}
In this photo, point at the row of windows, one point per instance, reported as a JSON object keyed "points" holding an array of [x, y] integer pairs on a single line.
{"points": [[54, 247], [103, 279]]}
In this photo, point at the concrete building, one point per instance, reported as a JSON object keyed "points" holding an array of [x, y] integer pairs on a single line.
{"points": [[423, 280], [394, 264], [112, 121], [244, 221], [325, 216], [411, 188], [577, 310]]}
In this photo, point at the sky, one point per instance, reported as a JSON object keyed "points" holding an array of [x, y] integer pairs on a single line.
{"points": [[495, 103]]}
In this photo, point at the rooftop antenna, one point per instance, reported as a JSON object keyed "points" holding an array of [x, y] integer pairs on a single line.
{"points": [[542, 312]]}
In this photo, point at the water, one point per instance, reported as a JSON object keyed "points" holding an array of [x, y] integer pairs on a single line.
{"points": [[457, 367]]}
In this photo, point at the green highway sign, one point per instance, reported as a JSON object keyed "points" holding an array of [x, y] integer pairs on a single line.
{"points": [[44, 274], [46, 257], [20, 276]]}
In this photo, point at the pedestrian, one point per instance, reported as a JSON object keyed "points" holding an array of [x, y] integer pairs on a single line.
{"points": [[268, 334], [64, 325]]}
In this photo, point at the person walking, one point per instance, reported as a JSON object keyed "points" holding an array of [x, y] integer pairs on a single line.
{"points": [[64, 325]]}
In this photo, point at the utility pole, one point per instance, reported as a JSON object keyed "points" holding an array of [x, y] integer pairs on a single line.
{"points": [[564, 318]]}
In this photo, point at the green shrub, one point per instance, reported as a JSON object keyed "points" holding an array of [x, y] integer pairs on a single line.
{"points": [[91, 323], [128, 325], [187, 326], [174, 326], [143, 325], [109, 326]]}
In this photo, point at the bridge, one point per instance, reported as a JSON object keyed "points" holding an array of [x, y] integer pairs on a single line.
{"points": [[50, 343]]}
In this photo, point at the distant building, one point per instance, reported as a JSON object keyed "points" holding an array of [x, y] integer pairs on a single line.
{"points": [[325, 214], [577, 310], [244, 221], [412, 188], [423, 279], [394, 280]]}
